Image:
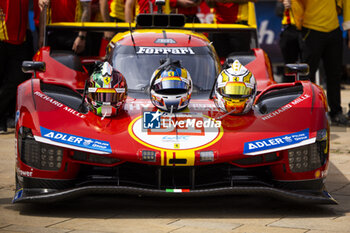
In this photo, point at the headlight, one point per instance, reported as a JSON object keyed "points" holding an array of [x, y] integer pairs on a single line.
{"points": [[39, 155], [310, 157]]}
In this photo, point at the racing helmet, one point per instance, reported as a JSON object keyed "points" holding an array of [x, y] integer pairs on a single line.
{"points": [[171, 87], [235, 89], [107, 91]]}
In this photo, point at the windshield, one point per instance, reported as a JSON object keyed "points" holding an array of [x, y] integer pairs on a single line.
{"points": [[138, 68]]}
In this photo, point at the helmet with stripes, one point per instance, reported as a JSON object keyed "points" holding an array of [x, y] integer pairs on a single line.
{"points": [[107, 91], [171, 87]]}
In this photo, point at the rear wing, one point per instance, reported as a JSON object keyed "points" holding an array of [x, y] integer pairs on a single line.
{"points": [[123, 27], [165, 21]]}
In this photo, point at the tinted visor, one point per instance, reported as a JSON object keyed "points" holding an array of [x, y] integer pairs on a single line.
{"points": [[106, 95], [235, 88], [171, 84]]}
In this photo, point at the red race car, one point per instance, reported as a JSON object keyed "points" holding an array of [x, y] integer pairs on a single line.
{"points": [[77, 134]]}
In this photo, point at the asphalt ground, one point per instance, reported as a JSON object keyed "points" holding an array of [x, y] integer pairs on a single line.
{"points": [[206, 214]]}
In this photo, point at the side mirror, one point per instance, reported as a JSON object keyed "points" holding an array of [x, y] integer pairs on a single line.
{"points": [[296, 70], [32, 66]]}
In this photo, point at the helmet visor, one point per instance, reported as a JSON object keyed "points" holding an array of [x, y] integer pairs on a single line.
{"points": [[174, 84], [235, 88], [108, 95]]}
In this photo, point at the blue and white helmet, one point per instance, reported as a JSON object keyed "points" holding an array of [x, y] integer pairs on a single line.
{"points": [[171, 88]]}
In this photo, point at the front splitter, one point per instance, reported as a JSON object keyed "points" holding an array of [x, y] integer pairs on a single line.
{"points": [[321, 198]]}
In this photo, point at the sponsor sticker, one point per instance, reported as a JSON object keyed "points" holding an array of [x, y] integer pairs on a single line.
{"points": [[58, 104], [286, 107], [276, 142], [165, 41], [76, 140], [24, 173]]}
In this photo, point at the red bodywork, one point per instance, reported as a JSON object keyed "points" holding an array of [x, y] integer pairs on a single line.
{"points": [[36, 110]]}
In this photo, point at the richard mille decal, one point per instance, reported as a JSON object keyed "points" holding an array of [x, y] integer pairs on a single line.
{"points": [[58, 104], [286, 107]]}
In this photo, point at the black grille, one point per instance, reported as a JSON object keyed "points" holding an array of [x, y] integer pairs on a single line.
{"points": [[258, 159], [198, 177]]}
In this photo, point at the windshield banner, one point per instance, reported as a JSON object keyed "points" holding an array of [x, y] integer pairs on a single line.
{"points": [[165, 50]]}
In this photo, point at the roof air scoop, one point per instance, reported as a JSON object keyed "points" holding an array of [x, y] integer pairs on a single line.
{"points": [[160, 20]]}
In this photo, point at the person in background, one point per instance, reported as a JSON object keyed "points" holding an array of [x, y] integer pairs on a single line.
{"points": [[346, 27], [346, 22], [321, 38], [289, 41], [229, 12], [112, 11], [186, 7], [15, 47], [65, 11]]}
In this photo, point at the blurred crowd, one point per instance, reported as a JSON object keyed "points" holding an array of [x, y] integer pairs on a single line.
{"points": [[310, 33]]}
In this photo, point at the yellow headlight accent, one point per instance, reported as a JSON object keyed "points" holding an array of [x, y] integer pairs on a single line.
{"points": [[105, 90]]}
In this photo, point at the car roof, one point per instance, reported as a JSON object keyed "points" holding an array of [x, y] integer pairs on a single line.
{"points": [[161, 37]]}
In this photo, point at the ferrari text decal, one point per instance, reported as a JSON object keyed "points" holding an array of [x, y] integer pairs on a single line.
{"points": [[286, 107], [276, 142], [165, 50], [76, 140], [58, 104]]}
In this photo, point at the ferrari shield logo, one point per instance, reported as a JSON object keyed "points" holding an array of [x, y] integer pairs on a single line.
{"points": [[107, 80]]}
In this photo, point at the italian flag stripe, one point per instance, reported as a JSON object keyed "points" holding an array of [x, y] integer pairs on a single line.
{"points": [[177, 190]]}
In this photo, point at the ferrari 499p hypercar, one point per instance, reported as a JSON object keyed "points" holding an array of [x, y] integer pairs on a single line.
{"points": [[279, 148]]}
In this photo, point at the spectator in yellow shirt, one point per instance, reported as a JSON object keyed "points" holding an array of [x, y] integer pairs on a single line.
{"points": [[322, 40], [289, 41]]}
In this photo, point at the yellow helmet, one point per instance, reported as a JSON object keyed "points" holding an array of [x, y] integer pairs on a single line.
{"points": [[235, 89]]}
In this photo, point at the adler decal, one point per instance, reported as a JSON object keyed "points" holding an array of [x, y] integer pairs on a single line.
{"points": [[74, 140], [276, 142]]}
